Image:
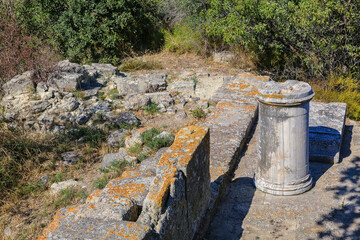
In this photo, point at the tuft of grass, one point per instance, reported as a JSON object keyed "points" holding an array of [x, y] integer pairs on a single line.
{"points": [[149, 139], [151, 109], [113, 94], [59, 177], [136, 149], [79, 94], [31, 188], [340, 89], [101, 96], [68, 196], [100, 118], [135, 64], [91, 135], [100, 183], [196, 81], [198, 113]]}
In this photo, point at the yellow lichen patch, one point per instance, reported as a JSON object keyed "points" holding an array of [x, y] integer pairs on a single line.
{"points": [[127, 190]]}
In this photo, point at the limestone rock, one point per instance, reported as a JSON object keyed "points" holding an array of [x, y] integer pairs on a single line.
{"points": [[65, 82], [57, 187], [135, 138], [122, 155], [20, 84], [70, 157], [117, 138], [136, 101], [127, 118], [106, 69], [182, 86], [326, 128], [223, 57]]}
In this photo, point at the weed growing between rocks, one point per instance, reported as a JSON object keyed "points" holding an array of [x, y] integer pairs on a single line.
{"points": [[198, 113], [69, 196], [152, 139], [152, 108]]}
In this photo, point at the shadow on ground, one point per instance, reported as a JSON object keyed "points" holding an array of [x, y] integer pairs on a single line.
{"points": [[347, 215]]}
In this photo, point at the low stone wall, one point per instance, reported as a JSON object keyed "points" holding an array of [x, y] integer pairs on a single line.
{"points": [[175, 197], [167, 201]]}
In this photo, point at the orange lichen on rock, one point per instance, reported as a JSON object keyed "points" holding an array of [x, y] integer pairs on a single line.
{"points": [[93, 195], [186, 142], [127, 190], [157, 195]]}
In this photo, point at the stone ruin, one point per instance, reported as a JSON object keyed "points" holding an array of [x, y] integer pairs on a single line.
{"points": [[174, 198]]}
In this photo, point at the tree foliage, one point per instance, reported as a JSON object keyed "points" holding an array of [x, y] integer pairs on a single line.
{"points": [[94, 30], [297, 38]]}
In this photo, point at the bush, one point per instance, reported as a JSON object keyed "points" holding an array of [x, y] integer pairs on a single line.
{"points": [[21, 51], [295, 39], [152, 108], [106, 30]]}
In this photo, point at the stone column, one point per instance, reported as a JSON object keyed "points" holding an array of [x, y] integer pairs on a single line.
{"points": [[283, 168]]}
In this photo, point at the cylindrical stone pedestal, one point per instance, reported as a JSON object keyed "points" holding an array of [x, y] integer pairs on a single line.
{"points": [[283, 168]]}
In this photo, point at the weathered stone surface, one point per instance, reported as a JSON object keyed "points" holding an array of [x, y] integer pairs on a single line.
{"points": [[166, 135], [150, 164], [106, 69], [122, 155], [182, 86], [127, 118], [136, 101], [40, 106], [135, 138], [57, 187], [19, 84], [328, 211], [133, 185], [164, 98], [142, 84], [117, 138], [66, 82], [67, 226], [69, 157], [180, 192], [181, 115], [70, 105], [326, 127], [230, 123]]}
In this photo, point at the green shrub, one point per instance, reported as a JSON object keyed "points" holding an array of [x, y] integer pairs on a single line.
{"points": [[105, 30], [182, 38], [152, 108], [136, 149], [295, 39], [79, 94], [149, 139], [198, 113]]}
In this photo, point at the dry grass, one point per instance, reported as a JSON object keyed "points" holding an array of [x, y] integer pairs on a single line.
{"points": [[340, 89]]}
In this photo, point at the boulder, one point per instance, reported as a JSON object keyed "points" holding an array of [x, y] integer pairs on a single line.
{"points": [[127, 118], [122, 155], [65, 82], [107, 70], [135, 138], [117, 139], [20, 84], [136, 101], [57, 187]]}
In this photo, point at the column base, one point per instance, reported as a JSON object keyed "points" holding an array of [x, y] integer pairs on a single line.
{"points": [[298, 187]]}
